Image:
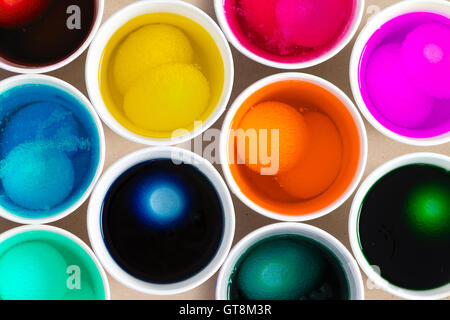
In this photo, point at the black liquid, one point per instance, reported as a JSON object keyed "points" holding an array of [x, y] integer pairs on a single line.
{"points": [[409, 254], [47, 39], [162, 254], [332, 286]]}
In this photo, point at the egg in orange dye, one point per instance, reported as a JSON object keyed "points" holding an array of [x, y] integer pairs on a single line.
{"points": [[323, 159], [275, 137], [311, 101]]}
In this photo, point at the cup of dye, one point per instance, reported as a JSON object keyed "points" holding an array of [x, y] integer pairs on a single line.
{"points": [[159, 72], [293, 147], [400, 72], [39, 36], [289, 34], [161, 220], [49, 263], [52, 149], [289, 261], [399, 226]]}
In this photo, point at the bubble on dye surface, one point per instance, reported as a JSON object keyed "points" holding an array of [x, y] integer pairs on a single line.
{"points": [[323, 159], [426, 57], [41, 120], [167, 98], [32, 271], [273, 120], [397, 99], [311, 23], [149, 47], [280, 269], [37, 176]]}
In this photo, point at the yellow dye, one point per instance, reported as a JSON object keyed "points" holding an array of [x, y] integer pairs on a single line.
{"points": [[153, 88]]}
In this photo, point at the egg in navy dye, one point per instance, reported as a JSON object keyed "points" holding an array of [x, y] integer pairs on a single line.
{"points": [[162, 222]]}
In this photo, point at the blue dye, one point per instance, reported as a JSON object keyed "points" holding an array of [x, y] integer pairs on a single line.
{"points": [[42, 120], [50, 150], [162, 200]]}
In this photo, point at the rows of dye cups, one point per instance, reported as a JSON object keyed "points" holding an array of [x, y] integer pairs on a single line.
{"points": [[161, 220]]}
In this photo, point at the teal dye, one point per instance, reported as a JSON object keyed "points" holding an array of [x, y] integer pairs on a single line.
{"points": [[50, 150], [288, 267], [44, 265]]}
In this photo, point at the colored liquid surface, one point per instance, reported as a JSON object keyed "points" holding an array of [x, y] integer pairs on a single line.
{"points": [[160, 74], [289, 31], [404, 227], [404, 74], [288, 267], [329, 143], [42, 265], [51, 36], [49, 150], [162, 222]]}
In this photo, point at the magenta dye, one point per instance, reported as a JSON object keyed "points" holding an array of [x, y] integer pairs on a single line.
{"points": [[404, 75]]}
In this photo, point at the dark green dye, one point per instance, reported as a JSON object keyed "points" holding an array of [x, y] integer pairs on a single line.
{"points": [[404, 227]]}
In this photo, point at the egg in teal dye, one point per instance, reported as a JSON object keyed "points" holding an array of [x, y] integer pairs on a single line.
{"points": [[45, 265], [50, 150], [280, 270], [32, 271], [288, 267]]}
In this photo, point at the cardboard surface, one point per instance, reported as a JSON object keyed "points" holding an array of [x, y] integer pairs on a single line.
{"points": [[381, 149]]}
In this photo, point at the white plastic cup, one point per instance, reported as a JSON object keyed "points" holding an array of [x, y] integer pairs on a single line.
{"points": [[14, 81], [226, 131], [353, 225], [221, 17], [126, 14], [95, 212], [18, 230], [379, 19], [348, 263], [18, 68]]}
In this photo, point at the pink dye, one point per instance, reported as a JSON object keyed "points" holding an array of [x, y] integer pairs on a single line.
{"points": [[309, 23], [289, 30]]}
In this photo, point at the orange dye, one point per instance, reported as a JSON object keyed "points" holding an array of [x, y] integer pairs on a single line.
{"points": [[331, 151]]}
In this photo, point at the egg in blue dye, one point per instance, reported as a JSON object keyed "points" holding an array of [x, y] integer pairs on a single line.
{"points": [[25, 175], [162, 200], [50, 150]]}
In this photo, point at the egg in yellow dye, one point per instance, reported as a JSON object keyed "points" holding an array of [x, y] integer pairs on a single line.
{"points": [[149, 47], [161, 72], [167, 97]]}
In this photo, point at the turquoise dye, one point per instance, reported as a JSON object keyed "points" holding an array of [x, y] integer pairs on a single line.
{"points": [[44, 265], [288, 267], [50, 150]]}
